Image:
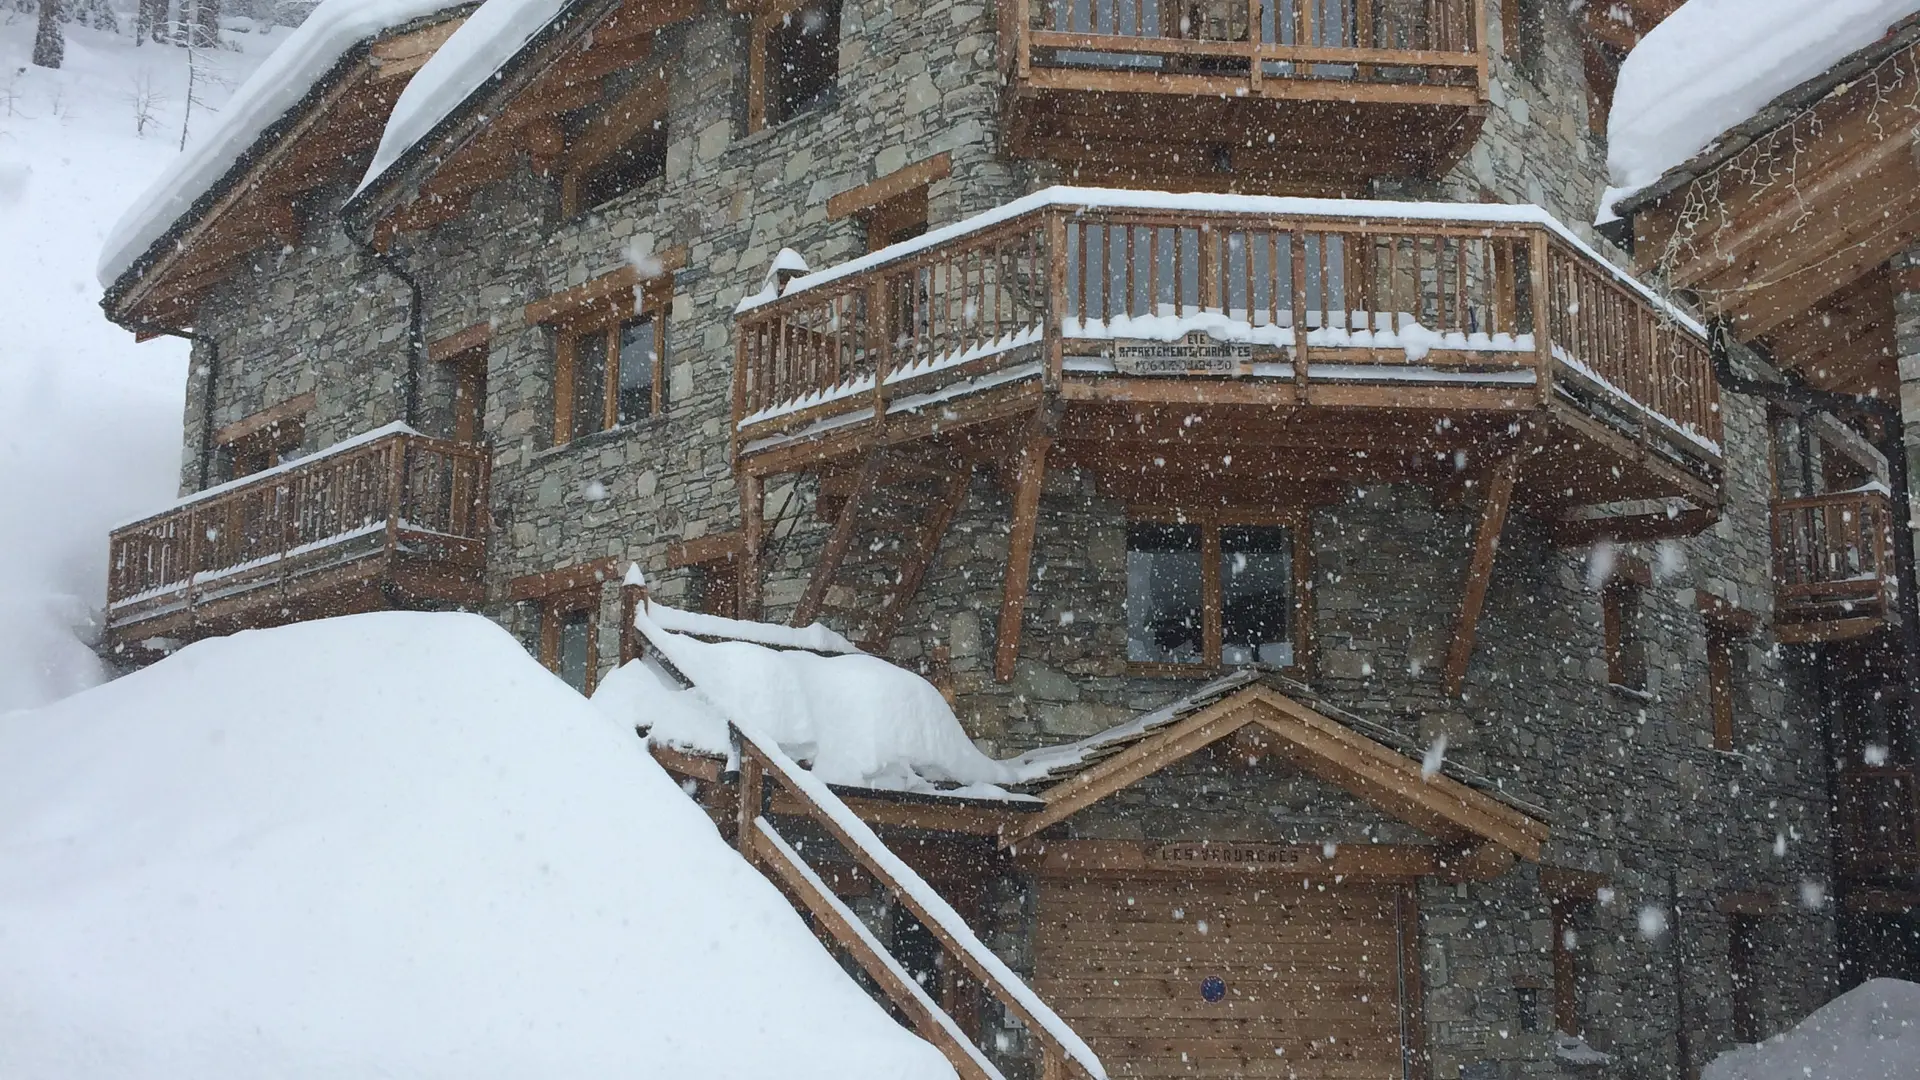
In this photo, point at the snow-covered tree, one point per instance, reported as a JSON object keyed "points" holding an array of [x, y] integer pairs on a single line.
{"points": [[50, 41]]}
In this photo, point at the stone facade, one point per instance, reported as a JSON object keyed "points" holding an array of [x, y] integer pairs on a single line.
{"points": [[1636, 792]]}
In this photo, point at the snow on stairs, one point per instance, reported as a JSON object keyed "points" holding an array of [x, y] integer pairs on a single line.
{"points": [[770, 782], [886, 535]]}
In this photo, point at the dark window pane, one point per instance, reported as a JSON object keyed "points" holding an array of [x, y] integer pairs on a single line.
{"points": [[803, 56], [589, 383], [1256, 596], [1163, 594], [640, 160], [573, 657], [636, 369]]}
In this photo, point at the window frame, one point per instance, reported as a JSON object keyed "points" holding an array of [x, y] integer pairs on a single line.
{"points": [[608, 320], [1210, 522], [266, 437], [553, 608], [608, 133], [767, 18]]}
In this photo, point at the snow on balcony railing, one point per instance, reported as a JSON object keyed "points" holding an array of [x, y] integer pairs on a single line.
{"points": [[1312, 282], [389, 480]]}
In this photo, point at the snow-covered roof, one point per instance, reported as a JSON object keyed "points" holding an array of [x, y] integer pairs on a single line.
{"points": [[473, 56], [390, 845], [269, 97], [1452, 213], [1714, 63], [857, 719], [1871, 1032]]}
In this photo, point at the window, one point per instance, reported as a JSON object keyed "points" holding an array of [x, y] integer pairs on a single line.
{"points": [[569, 636], [1727, 626], [1571, 966], [798, 55], [264, 449], [1620, 622], [640, 159], [1203, 593], [263, 440], [896, 220], [1523, 34], [616, 148], [608, 374]]}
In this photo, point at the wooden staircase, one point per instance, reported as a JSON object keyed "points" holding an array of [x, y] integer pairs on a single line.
{"points": [[887, 533]]}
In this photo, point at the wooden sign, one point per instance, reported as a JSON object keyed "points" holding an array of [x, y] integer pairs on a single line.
{"points": [[1227, 854], [1196, 354]]}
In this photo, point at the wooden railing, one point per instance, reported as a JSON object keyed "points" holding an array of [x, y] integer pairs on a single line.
{"points": [[382, 488], [1832, 555], [1063, 280], [1405, 42], [765, 771], [1879, 818]]}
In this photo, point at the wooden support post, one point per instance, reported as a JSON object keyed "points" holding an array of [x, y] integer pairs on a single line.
{"points": [[1542, 315], [1026, 511], [751, 792], [753, 538], [1493, 518]]}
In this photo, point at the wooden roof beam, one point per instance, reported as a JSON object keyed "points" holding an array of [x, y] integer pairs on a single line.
{"points": [[1030, 477]]}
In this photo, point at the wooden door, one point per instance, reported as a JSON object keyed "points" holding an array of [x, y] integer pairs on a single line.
{"points": [[1225, 978]]}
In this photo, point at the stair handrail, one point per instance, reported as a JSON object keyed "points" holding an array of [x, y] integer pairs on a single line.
{"points": [[762, 766]]}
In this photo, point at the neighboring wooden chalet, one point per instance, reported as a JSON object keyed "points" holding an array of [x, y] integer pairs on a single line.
{"points": [[1372, 584], [1796, 231]]}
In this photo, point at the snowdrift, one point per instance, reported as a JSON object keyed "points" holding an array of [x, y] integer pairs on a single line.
{"points": [[389, 845], [1871, 1032], [857, 719]]}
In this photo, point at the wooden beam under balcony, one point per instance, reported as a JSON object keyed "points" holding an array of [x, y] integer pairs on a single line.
{"points": [[395, 520]]}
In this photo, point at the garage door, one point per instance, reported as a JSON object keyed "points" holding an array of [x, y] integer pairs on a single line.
{"points": [[1184, 978]]}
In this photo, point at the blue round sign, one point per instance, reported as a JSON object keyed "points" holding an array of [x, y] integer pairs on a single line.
{"points": [[1213, 988]]}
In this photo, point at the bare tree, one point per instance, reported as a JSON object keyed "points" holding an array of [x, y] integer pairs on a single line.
{"points": [[50, 41], [146, 99]]}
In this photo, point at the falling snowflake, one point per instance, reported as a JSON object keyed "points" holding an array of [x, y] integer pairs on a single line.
{"points": [[1436, 757], [1653, 922]]}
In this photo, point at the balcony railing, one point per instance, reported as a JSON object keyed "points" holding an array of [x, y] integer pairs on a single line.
{"points": [[1348, 47], [1879, 818], [1305, 298], [1832, 564], [392, 493]]}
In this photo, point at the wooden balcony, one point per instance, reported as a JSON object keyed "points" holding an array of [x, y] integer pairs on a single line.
{"points": [[1833, 569], [1878, 815], [1237, 344], [391, 519], [1250, 92]]}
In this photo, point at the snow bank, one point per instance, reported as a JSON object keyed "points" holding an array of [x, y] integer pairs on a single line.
{"points": [[858, 719], [389, 845], [1714, 63], [473, 55], [277, 85], [1871, 1032]]}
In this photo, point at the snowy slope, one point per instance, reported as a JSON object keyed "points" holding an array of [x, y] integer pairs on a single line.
{"points": [[89, 421], [1714, 63], [389, 845]]}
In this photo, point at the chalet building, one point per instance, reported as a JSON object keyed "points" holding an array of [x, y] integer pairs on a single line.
{"points": [[1433, 650]]}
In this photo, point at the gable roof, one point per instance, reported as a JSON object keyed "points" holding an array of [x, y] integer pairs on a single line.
{"points": [[320, 96], [1429, 800], [494, 91]]}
